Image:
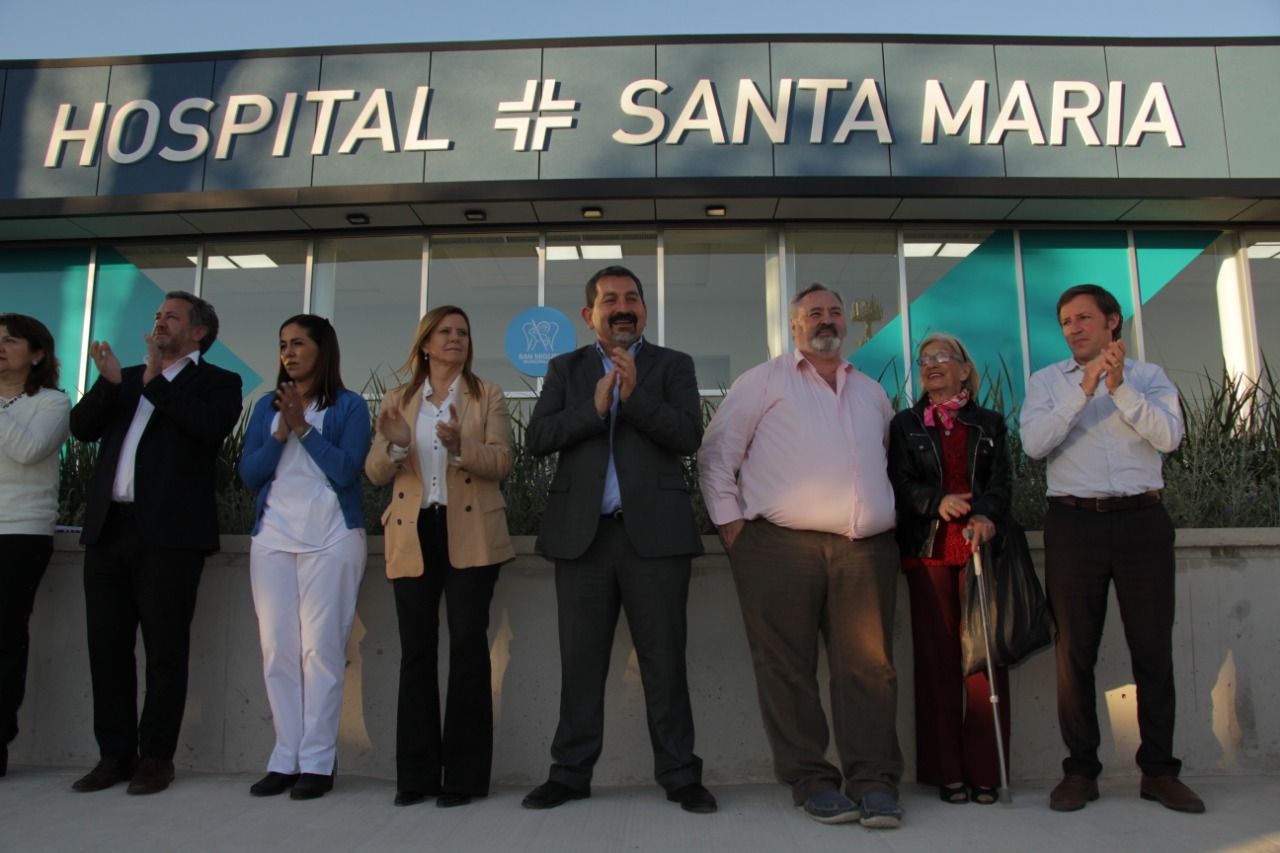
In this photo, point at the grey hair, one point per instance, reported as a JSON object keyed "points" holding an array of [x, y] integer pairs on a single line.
{"points": [[974, 380], [201, 314], [793, 307]]}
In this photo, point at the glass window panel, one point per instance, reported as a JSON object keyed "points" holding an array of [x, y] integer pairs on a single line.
{"points": [[1053, 261], [715, 301], [49, 284], [574, 258], [132, 281], [255, 287], [1179, 274], [1263, 251], [369, 288], [862, 266], [964, 283], [492, 277]]}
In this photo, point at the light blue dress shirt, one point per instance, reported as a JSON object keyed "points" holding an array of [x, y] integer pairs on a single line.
{"points": [[612, 499]]}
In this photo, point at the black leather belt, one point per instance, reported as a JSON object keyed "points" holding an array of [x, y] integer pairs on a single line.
{"points": [[616, 515], [1150, 498]]}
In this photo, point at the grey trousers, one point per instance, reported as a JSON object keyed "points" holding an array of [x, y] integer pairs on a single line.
{"points": [[794, 587]]}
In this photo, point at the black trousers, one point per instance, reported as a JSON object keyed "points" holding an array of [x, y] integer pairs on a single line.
{"points": [[458, 758], [1086, 551], [23, 559], [128, 586], [590, 592]]}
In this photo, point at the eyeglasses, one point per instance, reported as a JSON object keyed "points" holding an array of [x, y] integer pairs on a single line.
{"points": [[937, 358]]}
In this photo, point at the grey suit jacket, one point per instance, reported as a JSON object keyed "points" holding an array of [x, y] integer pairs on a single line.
{"points": [[658, 425]]}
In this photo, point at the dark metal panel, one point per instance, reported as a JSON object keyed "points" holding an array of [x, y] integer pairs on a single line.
{"points": [[1071, 209], [611, 209], [250, 163], [862, 153], [1266, 210], [499, 212], [399, 75], [735, 208], [470, 86], [380, 216], [1186, 210], [837, 208], [1190, 75], [165, 86], [908, 67], [1040, 66], [32, 99], [237, 221], [41, 229], [984, 209], [594, 78], [135, 225], [1248, 76], [724, 65]]}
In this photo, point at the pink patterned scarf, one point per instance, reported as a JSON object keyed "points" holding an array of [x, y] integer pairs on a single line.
{"points": [[946, 410]]}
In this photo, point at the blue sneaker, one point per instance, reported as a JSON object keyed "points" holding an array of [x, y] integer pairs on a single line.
{"points": [[830, 807], [881, 811]]}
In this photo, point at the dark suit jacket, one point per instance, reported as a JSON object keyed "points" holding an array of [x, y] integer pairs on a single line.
{"points": [[660, 423], [175, 470]]}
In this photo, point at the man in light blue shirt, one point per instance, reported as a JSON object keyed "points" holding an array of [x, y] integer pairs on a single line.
{"points": [[1102, 420]]}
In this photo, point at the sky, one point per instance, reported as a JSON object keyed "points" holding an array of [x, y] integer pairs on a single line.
{"points": [[52, 29]]}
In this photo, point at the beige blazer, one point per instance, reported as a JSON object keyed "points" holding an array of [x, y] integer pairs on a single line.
{"points": [[477, 519]]}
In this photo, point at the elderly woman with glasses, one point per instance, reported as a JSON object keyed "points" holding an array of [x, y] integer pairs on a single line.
{"points": [[953, 480]]}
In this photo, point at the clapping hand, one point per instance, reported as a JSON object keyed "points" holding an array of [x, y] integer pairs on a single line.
{"points": [[105, 360]]}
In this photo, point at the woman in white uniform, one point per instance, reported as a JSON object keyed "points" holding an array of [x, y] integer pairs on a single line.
{"points": [[303, 453]]}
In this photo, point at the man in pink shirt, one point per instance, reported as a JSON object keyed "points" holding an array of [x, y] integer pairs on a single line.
{"points": [[793, 470]]}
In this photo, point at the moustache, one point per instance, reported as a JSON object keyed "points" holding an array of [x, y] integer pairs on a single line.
{"points": [[624, 317], [828, 327]]}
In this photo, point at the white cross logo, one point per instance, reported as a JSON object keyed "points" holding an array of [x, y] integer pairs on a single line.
{"points": [[543, 124]]}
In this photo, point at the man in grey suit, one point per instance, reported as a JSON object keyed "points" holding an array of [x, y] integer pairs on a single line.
{"points": [[620, 412]]}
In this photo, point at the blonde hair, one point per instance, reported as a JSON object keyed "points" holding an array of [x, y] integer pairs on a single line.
{"points": [[974, 380], [417, 366]]}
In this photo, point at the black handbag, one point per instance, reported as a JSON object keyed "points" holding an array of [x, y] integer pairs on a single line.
{"points": [[1018, 615]]}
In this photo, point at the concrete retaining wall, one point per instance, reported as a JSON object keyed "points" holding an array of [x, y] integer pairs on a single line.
{"points": [[1227, 655]]}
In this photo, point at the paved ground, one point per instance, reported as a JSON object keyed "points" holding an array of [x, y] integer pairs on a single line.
{"points": [[210, 812]]}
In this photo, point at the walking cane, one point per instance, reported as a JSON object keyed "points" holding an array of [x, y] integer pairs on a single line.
{"points": [[1006, 796]]}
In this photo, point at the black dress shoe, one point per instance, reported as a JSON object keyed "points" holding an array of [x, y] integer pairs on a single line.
{"points": [[448, 801], [693, 798], [311, 786], [152, 776], [410, 798], [104, 774], [273, 783], [551, 793]]}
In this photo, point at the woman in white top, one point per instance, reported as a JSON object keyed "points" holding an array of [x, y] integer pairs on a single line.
{"points": [[444, 438], [302, 453], [34, 422]]}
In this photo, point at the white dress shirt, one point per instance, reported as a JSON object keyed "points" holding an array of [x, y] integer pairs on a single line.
{"points": [[122, 491], [1106, 445], [433, 457]]}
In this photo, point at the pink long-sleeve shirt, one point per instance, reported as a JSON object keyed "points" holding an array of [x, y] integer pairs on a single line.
{"points": [[785, 447]]}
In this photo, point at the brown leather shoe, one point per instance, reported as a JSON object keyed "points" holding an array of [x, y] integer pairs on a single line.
{"points": [[1072, 793], [153, 776], [1169, 792], [104, 774]]}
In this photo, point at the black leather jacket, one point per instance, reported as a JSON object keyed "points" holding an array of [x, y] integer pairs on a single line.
{"points": [[915, 468]]}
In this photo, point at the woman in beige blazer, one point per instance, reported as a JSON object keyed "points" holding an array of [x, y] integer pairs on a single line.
{"points": [[445, 441]]}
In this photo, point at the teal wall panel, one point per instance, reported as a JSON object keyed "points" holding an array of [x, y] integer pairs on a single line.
{"points": [[1164, 254], [594, 78], [50, 285], [1252, 123], [698, 156], [862, 153], [124, 303]]}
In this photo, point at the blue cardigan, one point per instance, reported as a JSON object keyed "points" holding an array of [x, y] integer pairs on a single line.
{"points": [[339, 451]]}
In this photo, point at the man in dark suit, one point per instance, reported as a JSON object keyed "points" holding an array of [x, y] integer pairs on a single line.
{"points": [[620, 412], [150, 521]]}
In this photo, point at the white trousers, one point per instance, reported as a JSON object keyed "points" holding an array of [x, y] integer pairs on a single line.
{"points": [[306, 604]]}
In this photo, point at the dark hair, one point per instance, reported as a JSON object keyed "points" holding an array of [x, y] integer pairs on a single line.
{"points": [[44, 373], [816, 287], [201, 314], [611, 272], [417, 365], [1107, 303], [328, 376]]}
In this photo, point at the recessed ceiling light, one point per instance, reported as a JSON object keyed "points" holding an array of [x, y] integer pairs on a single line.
{"points": [[562, 253], [592, 212], [956, 250], [358, 218], [253, 262], [920, 250], [474, 215], [602, 253], [1260, 251], [716, 210], [213, 262]]}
